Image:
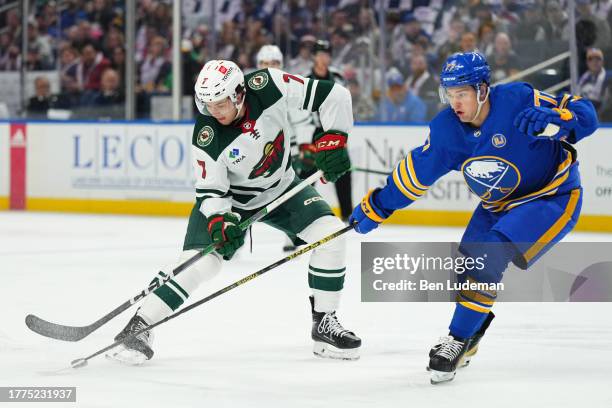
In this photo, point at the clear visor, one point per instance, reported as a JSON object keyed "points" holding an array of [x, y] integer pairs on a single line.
{"points": [[203, 106], [456, 94], [442, 94]]}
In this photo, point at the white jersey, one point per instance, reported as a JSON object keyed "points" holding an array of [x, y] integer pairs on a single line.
{"points": [[247, 164]]}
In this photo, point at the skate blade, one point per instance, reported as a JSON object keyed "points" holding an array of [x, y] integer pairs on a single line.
{"points": [[464, 363], [325, 350], [439, 377], [126, 356]]}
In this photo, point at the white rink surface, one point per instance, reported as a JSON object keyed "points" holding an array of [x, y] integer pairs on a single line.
{"points": [[251, 347]]}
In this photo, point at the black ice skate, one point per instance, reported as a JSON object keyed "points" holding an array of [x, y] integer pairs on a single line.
{"points": [[331, 340], [474, 341], [135, 350], [443, 364]]}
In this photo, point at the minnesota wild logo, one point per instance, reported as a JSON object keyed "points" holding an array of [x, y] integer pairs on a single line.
{"points": [[258, 81], [272, 158], [205, 136]]}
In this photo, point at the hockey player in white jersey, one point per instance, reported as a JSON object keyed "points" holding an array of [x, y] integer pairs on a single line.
{"points": [[242, 162]]}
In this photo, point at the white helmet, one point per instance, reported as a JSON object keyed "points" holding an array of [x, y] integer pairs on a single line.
{"points": [[269, 53], [218, 80]]}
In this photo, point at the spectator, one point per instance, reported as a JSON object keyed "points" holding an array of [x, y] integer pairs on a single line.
{"points": [[155, 67], [102, 14], [556, 22], [468, 42], [452, 42], [72, 14], [593, 84], [40, 45], [363, 108], [302, 63], [422, 84], [69, 62], [5, 43], [90, 68], [110, 94], [603, 35], [404, 37], [486, 38], [114, 38], [34, 61], [12, 59], [531, 26], [401, 105], [13, 25], [343, 49], [118, 63], [503, 62], [39, 104], [43, 100]]}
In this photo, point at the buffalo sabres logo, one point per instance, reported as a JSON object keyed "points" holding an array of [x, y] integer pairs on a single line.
{"points": [[258, 81], [491, 178], [498, 140], [205, 136], [451, 66]]}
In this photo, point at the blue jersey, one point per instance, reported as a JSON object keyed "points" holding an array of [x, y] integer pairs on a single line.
{"points": [[500, 164]]}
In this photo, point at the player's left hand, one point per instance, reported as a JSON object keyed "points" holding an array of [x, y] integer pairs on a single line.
{"points": [[331, 155], [226, 234], [367, 215], [532, 121]]}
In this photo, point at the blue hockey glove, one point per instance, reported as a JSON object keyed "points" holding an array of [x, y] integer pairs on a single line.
{"points": [[533, 121], [367, 215]]}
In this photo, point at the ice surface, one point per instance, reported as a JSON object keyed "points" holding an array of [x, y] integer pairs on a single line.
{"points": [[251, 346]]}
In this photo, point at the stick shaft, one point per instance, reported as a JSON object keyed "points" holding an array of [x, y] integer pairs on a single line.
{"points": [[226, 289], [76, 333]]}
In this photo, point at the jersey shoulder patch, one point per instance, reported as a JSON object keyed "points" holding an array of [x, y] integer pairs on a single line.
{"points": [[211, 137], [261, 90]]}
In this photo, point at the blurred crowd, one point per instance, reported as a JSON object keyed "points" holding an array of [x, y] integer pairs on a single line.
{"points": [[85, 42]]}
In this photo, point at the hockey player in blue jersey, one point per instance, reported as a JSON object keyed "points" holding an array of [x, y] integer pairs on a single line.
{"points": [[513, 145]]}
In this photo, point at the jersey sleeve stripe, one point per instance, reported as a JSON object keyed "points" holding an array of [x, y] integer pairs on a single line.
{"points": [[565, 101], [406, 179], [323, 88], [537, 96], [212, 192], [400, 186], [315, 85], [308, 94], [413, 174]]}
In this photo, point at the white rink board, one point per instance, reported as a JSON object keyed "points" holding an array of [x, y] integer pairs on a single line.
{"points": [[106, 161], [4, 160], [110, 161]]}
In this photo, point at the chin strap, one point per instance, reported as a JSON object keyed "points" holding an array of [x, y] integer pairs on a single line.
{"points": [[479, 102]]}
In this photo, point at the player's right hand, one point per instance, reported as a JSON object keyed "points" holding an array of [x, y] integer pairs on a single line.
{"points": [[532, 121], [226, 234], [367, 215]]}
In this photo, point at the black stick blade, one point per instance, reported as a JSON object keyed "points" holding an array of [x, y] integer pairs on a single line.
{"points": [[56, 331]]}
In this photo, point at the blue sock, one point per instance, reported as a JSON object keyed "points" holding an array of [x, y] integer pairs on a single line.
{"points": [[466, 322]]}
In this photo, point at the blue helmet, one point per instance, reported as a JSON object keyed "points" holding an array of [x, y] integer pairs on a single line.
{"points": [[465, 68]]}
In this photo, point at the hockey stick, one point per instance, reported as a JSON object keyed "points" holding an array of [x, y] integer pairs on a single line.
{"points": [[76, 333], [82, 362], [364, 170]]}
